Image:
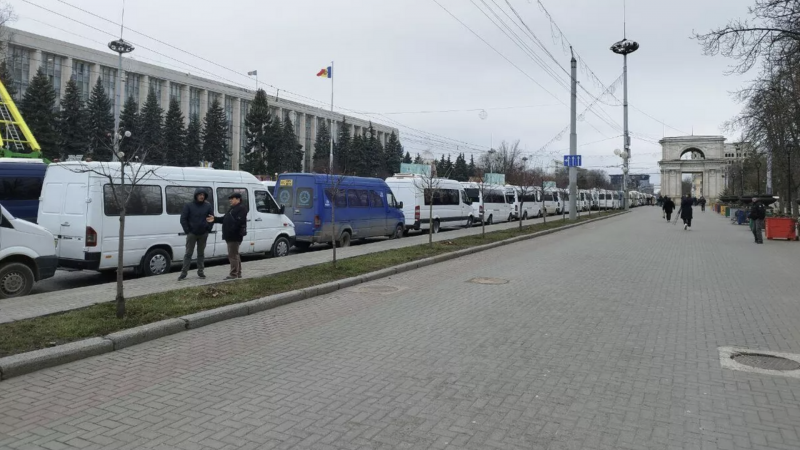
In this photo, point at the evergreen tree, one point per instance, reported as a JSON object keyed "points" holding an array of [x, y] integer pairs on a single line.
{"points": [[38, 109], [418, 159], [5, 77], [257, 124], [275, 146], [193, 147], [394, 154], [341, 148], [151, 130], [322, 148], [448, 167], [215, 136], [129, 121], [441, 167], [174, 139], [374, 155], [359, 163], [471, 169], [99, 123], [292, 151], [461, 170], [407, 158], [72, 124]]}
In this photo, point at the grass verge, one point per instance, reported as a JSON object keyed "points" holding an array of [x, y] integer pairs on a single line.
{"points": [[99, 320]]}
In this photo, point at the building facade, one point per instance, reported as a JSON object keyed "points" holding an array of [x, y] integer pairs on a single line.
{"points": [[636, 182], [61, 61]]}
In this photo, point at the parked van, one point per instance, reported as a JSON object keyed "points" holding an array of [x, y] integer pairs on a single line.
{"points": [[451, 207], [21, 186], [27, 255], [530, 202], [365, 207], [78, 207], [491, 203]]}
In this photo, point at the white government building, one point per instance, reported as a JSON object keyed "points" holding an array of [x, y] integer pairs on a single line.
{"points": [[60, 60]]}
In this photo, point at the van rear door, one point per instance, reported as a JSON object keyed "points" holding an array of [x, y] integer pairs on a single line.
{"points": [[63, 212]]}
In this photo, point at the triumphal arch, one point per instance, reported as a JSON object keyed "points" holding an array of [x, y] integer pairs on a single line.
{"points": [[703, 157]]}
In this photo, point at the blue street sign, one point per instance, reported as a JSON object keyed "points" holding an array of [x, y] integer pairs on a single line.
{"points": [[572, 160]]}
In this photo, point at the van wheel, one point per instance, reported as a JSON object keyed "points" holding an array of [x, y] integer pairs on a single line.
{"points": [[156, 262], [489, 220], [469, 222], [525, 215], [344, 241], [399, 231], [16, 280], [280, 247], [511, 217], [435, 226]]}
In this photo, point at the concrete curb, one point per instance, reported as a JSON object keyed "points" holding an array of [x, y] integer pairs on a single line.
{"points": [[24, 363]]}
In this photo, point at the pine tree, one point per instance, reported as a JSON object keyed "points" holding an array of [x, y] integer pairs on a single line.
{"points": [[418, 159], [441, 167], [374, 155], [448, 167], [129, 121], [322, 148], [256, 131], [341, 148], [72, 124], [292, 152], [407, 158], [5, 78], [38, 109], [99, 123], [471, 169], [151, 130], [275, 146], [359, 163], [174, 139], [460, 170], [215, 139], [194, 143], [394, 154]]}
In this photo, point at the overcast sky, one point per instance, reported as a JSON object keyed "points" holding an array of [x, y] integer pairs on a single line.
{"points": [[407, 56]]}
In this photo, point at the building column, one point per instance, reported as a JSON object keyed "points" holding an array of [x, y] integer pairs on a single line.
{"points": [[301, 137], [66, 73], [203, 104], [185, 103], [35, 60], [94, 74], [236, 135], [144, 89], [166, 87]]}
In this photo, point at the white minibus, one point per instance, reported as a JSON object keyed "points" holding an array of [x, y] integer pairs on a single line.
{"points": [[489, 201], [451, 207]]}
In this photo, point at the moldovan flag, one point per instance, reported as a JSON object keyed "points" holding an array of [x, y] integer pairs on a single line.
{"points": [[326, 72]]}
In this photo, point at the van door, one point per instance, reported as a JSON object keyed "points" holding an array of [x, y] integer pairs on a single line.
{"points": [[268, 221], [380, 213], [72, 228]]}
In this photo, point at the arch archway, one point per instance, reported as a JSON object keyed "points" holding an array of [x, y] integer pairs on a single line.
{"points": [[692, 153], [702, 157]]}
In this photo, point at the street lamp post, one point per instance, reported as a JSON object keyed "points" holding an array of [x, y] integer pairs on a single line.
{"points": [[758, 177], [120, 47], [491, 159], [624, 48]]}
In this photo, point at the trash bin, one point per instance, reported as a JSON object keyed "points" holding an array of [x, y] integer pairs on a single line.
{"points": [[780, 228]]}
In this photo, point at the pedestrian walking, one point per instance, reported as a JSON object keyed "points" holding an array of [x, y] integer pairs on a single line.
{"points": [[685, 212], [668, 207], [702, 204], [196, 227], [234, 229], [758, 212]]}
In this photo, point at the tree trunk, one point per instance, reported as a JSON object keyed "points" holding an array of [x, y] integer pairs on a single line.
{"points": [[430, 221], [483, 217], [120, 300], [521, 204], [333, 227]]}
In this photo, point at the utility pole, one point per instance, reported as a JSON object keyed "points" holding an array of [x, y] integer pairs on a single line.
{"points": [[624, 48], [573, 138], [120, 47]]}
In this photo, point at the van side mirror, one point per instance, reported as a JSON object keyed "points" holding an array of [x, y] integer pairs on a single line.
{"points": [[282, 209], [400, 205]]}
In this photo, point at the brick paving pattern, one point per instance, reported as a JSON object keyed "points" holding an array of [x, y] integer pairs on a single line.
{"points": [[605, 337], [52, 302]]}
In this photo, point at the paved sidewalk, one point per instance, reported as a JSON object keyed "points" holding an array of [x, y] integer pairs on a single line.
{"points": [[65, 300], [605, 337]]}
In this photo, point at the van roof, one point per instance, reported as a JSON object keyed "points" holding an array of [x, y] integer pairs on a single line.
{"points": [[193, 174], [323, 178], [22, 160]]}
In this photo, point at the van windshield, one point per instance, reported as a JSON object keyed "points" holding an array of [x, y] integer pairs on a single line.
{"points": [[509, 198], [473, 194]]}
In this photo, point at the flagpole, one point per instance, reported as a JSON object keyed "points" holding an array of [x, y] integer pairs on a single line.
{"points": [[331, 127]]}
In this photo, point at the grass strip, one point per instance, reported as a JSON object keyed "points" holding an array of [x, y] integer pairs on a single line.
{"points": [[99, 320]]}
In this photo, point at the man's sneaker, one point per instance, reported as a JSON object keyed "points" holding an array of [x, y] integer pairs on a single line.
{"points": [[202, 276], [182, 277], [230, 277]]}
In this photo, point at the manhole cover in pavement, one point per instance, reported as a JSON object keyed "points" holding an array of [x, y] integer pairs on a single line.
{"points": [[767, 362], [487, 280], [377, 289]]}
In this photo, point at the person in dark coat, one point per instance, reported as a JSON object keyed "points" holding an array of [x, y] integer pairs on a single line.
{"points": [[668, 207], [702, 202], [758, 212], [234, 229], [686, 212], [196, 227]]}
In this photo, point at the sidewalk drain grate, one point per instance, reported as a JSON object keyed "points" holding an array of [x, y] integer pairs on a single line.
{"points": [[487, 280], [376, 289], [767, 362]]}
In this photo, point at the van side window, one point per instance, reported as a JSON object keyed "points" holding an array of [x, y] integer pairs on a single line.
{"points": [[142, 200], [265, 203], [363, 197], [355, 199], [377, 199], [304, 197], [285, 195], [178, 196], [341, 199], [223, 206], [391, 200], [21, 188]]}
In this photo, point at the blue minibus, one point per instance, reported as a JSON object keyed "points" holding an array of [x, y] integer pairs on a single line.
{"points": [[364, 207], [21, 186]]}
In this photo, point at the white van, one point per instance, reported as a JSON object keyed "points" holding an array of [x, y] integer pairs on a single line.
{"points": [[451, 207], [491, 203], [530, 200], [77, 205], [552, 201], [512, 198], [27, 255]]}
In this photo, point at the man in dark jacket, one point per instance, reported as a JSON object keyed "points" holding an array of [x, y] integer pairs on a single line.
{"points": [[686, 211], [702, 203], [668, 207], [758, 212], [194, 220], [234, 228]]}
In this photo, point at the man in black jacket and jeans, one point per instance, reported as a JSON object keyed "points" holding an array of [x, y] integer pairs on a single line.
{"points": [[758, 212], [234, 229], [194, 220]]}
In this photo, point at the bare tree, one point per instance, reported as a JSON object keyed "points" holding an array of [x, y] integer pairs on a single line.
{"points": [[506, 158], [7, 16], [525, 181], [123, 178], [430, 186], [334, 193]]}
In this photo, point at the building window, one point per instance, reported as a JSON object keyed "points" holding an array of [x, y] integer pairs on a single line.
{"points": [[19, 64], [51, 66], [80, 73], [109, 78], [297, 125], [155, 86], [132, 86], [175, 92], [194, 102], [244, 109], [307, 144]]}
